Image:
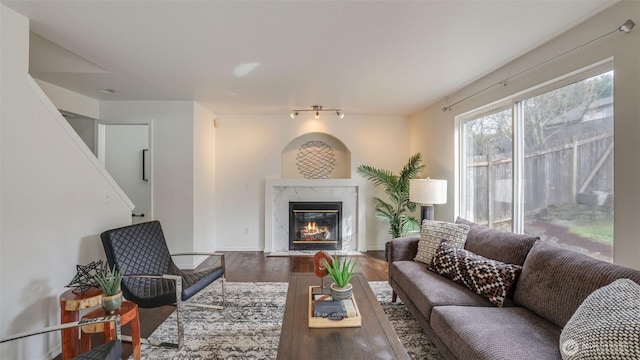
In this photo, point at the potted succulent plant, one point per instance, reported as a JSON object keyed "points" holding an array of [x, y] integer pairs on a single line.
{"points": [[341, 272], [109, 281]]}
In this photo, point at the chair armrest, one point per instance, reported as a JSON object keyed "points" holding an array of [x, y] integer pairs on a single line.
{"points": [[108, 318], [404, 248]]}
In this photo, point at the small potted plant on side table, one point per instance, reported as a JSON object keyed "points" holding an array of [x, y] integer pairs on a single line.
{"points": [[341, 272], [109, 281]]}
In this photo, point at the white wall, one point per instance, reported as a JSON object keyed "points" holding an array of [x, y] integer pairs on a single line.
{"points": [[433, 130], [55, 199], [249, 149], [172, 153], [71, 101], [204, 182], [86, 129]]}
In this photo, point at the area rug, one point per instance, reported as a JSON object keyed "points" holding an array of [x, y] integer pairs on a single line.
{"points": [[249, 326]]}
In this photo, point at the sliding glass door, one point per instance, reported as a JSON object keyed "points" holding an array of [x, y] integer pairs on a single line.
{"points": [[542, 163]]}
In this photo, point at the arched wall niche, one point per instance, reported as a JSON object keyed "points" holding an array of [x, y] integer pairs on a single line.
{"points": [[316, 156]]}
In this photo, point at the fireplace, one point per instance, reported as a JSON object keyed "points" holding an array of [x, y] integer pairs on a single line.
{"points": [[315, 225]]}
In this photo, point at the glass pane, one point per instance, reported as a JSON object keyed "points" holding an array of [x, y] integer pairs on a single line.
{"points": [[568, 166], [488, 170]]}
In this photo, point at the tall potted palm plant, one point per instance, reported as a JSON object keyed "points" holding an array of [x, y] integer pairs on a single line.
{"points": [[396, 187]]}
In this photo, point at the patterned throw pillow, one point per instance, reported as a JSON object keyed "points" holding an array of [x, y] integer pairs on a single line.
{"points": [[432, 233], [488, 278], [606, 324]]}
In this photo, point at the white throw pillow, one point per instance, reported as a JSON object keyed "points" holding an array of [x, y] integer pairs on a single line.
{"points": [[432, 233], [606, 325]]}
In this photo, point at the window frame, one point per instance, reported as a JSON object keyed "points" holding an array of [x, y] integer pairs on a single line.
{"points": [[514, 102]]}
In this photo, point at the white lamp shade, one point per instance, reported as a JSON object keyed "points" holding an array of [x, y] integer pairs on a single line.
{"points": [[428, 191]]}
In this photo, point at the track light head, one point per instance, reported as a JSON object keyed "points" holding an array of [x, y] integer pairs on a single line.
{"points": [[294, 113], [340, 114]]}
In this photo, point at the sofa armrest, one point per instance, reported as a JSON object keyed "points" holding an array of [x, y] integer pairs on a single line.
{"points": [[404, 248]]}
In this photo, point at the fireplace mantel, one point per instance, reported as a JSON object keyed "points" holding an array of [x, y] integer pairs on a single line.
{"points": [[278, 193]]}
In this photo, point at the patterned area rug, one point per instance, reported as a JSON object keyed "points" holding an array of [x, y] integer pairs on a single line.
{"points": [[249, 326]]}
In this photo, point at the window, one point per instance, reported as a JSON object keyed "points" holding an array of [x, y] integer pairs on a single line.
{"points": [[489, 162], [543, 164]]}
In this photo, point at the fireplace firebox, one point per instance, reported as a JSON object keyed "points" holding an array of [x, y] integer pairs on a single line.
{"points": [[315, 225]]}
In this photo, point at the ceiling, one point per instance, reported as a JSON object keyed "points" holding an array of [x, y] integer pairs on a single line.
{"points": [[269, 57]]}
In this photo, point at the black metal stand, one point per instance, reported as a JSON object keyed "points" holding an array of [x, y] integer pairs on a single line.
{"points": [[426, 213], [321, 290]]}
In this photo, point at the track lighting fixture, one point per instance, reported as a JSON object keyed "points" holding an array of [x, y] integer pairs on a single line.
{"points": [[317, 109]]}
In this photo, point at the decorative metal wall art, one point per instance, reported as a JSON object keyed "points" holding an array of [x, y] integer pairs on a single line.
{"points": [[315, 160]]}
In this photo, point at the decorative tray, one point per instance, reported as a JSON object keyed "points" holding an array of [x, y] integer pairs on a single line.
{"points": [[321, 322]]}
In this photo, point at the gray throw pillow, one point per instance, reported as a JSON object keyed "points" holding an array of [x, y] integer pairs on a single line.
{"points": [[606, 325], [432, 233]]}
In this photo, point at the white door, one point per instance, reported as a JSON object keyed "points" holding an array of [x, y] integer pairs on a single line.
{"points": [[124, 151]]}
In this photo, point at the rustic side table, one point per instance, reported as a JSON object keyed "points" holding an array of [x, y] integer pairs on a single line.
{"points": [[128, 315], [70, 304]]}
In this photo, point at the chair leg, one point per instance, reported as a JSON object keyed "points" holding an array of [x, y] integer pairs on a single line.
{"points": [[179, 308], [208, 306], [178, 345], [180, 329], [394, 296], [127, 338]]}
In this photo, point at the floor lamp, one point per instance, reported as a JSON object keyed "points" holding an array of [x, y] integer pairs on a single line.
{"points": [[427, 192]]}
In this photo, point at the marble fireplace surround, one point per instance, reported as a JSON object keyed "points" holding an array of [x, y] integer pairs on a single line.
{"points": [[278, 193]]}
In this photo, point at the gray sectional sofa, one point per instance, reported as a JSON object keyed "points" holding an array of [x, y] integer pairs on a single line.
{"points": [[463, 325]]}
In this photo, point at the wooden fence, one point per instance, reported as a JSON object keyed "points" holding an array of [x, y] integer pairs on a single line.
{"points": [[553, 174]]}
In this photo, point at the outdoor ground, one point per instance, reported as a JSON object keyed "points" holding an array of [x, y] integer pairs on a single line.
{"points": [[586, 229]]}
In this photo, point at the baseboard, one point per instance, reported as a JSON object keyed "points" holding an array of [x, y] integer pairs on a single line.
{"points": [[310, 253], [223, 249]]}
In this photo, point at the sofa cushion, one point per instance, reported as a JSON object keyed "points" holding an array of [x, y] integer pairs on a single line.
{"points": [[488, 278], [606, 325], [495, 333], [432, 233], [404, 248], [555, 281], [500, 245], [427, 289]]}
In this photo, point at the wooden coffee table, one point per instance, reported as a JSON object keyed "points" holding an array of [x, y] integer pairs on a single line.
{"points": [[375, 339]]}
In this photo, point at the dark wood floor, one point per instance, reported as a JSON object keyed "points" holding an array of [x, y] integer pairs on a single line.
{"points": [[254, 266]]}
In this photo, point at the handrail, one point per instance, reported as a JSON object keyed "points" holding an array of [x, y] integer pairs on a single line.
{"points": [[108, 318]]}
